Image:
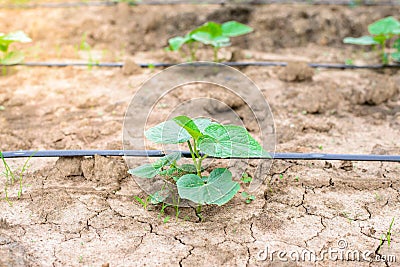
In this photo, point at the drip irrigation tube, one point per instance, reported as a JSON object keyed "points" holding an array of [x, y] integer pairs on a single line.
{"points": [[214, 2], [159, 153], [232, 64]]}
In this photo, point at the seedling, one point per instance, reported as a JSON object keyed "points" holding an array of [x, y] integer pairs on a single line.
{"points": [[204, 138], [12, 57], [85, 47], [143, 201], [383, 32], [246, 178], [166, 219], [388, 235], [248, 198], [211, 33], [11, 177]]}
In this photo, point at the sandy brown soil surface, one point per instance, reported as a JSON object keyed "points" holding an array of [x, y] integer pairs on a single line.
{"points": [[82, 212]]}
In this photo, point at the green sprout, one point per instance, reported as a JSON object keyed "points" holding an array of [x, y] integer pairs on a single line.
{"points": [[204, 138], [12, 57], [382, 32], [388, 235], [246, 178], [248, 198], [143, 201], [12, 177], [211, 33]]}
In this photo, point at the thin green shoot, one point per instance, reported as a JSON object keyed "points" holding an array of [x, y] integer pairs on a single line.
{"points": [[248, 197], [143, 201]]}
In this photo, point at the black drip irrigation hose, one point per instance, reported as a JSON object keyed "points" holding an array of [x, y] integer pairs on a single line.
{"points": [[214, 2], [159, 153], [232, 64]]}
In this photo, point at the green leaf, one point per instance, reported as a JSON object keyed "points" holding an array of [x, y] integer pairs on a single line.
{"points": [[385, 26], [208, 39], [381, 39], [167, 160], [151, 170], [229, 141], [212, 28], [246, 178], [364, 40], [167, 132], [189, 125], [141, 201], [210, 34], [396, 44], [12, 58], [202, 123], [145, 171], [159, 196], [176, 43], [218, 189], [18, 36], [3, 46], [396, 56], [234, 28], [189, 168]]}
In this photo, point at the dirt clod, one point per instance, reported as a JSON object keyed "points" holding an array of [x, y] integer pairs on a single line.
{"points": [[296, 72], [130, 67]]}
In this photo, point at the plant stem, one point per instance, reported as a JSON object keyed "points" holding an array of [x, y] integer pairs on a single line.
{"points": [[198, 212], [192, 52], [216, 54], [194, 157], [384, 57]]}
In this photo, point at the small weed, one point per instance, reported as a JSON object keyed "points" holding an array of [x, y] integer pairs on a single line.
{"points": [[246, 178], [248, 198], [11, 177], [166, 219], [143, 201], [347, 216], [349, 61], [162, 211], [281, 176], [320, 147], [85, 47], [388, 235], [296, 179]]}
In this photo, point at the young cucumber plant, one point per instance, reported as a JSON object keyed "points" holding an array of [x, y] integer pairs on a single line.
{"points": [[382, 32], [204, 138], [211, 33], [12, 57]]}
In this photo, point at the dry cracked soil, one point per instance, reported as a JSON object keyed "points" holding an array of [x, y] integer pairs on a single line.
{"points": [[81, 211]]}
